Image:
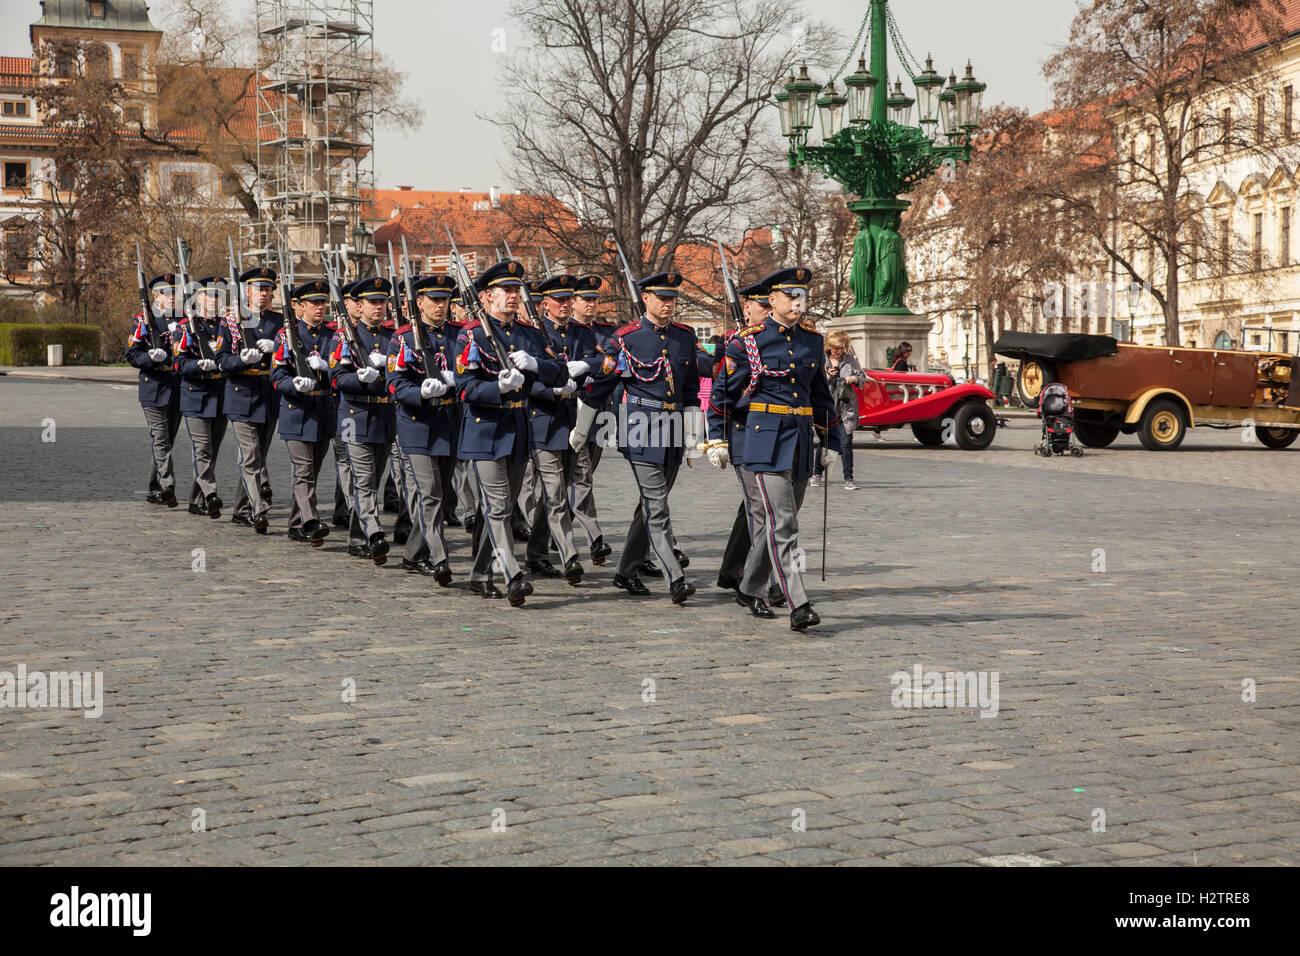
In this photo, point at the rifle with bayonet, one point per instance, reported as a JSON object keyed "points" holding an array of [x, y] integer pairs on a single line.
{"points": [[475, 308], [301, 367], [638, 307], [545, 262], [396, 300], [146, 302], [195, 330], [360, 354], [242, 311], [413, 307]]}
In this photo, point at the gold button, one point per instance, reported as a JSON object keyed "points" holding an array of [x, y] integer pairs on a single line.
{"points": [[478, 419], [796, 394]]}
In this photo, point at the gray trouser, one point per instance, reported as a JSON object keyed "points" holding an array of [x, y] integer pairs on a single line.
{"points": [[650, 526], [781, 498], [424, 481], [466, 488], [306, 457], [759, 563], [582, 498], [552, 508], [205, 440], [164, 422], [528, 491], [254, 440], [499, 483], [366, 463], [342, 476]]}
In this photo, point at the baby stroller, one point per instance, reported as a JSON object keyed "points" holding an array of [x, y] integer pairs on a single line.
{"points": [[1056, 409]]}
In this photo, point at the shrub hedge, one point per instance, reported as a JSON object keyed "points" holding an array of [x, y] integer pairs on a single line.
{"points": [[25, 344]]}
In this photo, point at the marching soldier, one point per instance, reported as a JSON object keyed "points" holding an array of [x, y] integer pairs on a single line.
{"points": [[466, 490], [202, 391], [494, 429], [582, 497], [551, 417], [654, 360], [158, 389], [342, 517], [428, 422], [778, 368], [251, 404], [727, 434], [307, 407], [365, 417]]}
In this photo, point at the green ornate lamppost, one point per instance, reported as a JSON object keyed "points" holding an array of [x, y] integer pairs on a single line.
{"points": [[879, 155]]}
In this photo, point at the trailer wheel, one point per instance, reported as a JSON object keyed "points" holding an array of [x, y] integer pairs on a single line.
{"points": [[1275, 437], [975, 426], [1034, 375], [1164, 426], [931, 436], [1095, 434]]}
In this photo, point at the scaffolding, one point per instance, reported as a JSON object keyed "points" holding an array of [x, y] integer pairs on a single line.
{"points": [[315, 130]]}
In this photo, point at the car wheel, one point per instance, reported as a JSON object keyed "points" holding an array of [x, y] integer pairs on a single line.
{"points": [[975, 426], [1034, 375], [931, 436], [1275, 437], [1164, 426], [1095, 434]]}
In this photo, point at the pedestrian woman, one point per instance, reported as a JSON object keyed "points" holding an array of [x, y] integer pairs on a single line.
{"points": [[901, 355], [842, 371]]}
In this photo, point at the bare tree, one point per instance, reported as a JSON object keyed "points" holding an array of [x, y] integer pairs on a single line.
{"points": [[814, 228], [1152, 90], [647, 116]]}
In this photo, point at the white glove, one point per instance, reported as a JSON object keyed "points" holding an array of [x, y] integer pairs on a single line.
{"points": [[171, 326], [318, 363], [716, 452], [207, 365], [523, 361], [510, 380], [157, 355], [432, 388], [578, 369], [250, 356], [266, 345], [582, 423], [565, 390], [304, 384], [449, 377], [367, 375], [378, 360]]}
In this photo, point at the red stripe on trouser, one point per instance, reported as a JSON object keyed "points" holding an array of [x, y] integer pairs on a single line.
{"points": [[777, 568]]}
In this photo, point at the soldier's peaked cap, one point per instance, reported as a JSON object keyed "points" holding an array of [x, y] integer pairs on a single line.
{"points": [[757, 292], [558, 287], [662, 283], [163, 283], [508, 272], [317, 290], [259, 276], [211, 283], [588, 286], [375, 287], [789, 280], [435, 286]]}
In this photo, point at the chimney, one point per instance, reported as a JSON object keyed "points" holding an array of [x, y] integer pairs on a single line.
{"points": [[406, 188], [494, 195], [465, 189]]}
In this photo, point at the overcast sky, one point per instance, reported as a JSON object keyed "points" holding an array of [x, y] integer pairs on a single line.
{"points": [[445, 47]]}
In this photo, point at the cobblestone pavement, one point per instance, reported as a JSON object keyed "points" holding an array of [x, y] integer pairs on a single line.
{"points": [[484, 734]]}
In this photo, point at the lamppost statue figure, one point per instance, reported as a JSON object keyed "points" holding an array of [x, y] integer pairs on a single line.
{"points": [[878, 155]]}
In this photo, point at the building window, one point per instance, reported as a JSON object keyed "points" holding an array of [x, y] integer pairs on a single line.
{"points": [[96, 9], [17, 250], [97, 62], [1259, 119], [67, 178], [1257, 243], [130, 66], [182, 184], [1226, 123], [133, 115], [1193, 260], [1224, 231], [15, 175], [14, 108], [1284, 237], [65, 63], [1288, 110]]}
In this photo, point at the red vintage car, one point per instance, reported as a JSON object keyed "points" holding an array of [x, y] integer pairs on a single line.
{"points": [[928, 403]]}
